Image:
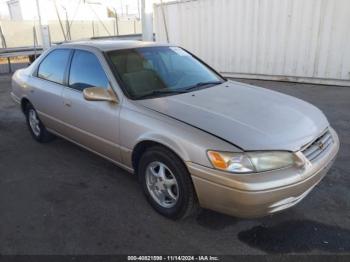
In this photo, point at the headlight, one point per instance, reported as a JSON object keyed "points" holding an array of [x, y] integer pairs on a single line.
{"points": [[249, 162]]}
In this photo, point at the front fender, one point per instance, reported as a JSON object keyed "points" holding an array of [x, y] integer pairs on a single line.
{"points": [[167, 142], [138, 124]]}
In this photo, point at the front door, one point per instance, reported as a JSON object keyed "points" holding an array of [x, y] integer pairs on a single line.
{"points": [[93, 124]]}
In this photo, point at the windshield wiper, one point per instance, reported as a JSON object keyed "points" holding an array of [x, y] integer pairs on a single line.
{"points": [[161, 92], [177, 91], [200, 84]]}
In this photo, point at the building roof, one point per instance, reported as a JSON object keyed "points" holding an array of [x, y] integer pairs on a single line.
{"points": [[108, 45]]}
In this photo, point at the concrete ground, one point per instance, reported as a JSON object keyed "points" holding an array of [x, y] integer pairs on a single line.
{"points": [[57, 198]]}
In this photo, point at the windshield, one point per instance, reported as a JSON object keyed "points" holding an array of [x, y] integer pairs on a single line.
{"points": [[153, 71]]}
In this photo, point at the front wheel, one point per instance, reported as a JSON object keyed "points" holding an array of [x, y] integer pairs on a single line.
{"points": [[167, 183], [36, 127]]}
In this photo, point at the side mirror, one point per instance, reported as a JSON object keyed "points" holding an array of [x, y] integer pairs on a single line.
{"points": [[99, 94]]}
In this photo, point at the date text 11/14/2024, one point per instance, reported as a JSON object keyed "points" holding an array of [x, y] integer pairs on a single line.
{"points": [[173, 258]]}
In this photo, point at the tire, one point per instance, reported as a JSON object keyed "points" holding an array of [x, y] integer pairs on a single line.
{"points": [[36, 127], [180, 200]]}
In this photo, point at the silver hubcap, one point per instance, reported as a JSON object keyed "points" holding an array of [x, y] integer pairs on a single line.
{"points": [[162, 184], [34, 122]]}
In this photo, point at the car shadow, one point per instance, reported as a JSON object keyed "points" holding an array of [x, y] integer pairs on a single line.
{"points": [[297, 236]]}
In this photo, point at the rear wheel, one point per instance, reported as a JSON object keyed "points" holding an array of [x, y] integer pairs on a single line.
{"points": [[36, 127], [167, 183]]}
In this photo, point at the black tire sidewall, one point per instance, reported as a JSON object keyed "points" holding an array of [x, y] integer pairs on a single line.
{"points": [[179, 171]]}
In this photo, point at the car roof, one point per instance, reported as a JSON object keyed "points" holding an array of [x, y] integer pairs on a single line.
{"points": [[109, 45]]}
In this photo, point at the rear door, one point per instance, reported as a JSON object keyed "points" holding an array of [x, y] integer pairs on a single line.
{"points": [[46, 87], [93, 124]]}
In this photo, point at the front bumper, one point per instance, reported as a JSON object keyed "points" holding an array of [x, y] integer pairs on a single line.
{"points": [[255, 195]]}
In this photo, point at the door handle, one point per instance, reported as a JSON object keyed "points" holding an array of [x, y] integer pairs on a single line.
{"points": [[67, 103]]}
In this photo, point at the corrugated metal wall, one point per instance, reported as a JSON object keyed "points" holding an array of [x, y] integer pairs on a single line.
{"points": [[296, 40]]}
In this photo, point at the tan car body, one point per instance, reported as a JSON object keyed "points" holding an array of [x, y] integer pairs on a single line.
{"points": [[121, 129]]}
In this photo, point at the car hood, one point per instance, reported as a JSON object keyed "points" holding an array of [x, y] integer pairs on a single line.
{"points": [[250, 117]]}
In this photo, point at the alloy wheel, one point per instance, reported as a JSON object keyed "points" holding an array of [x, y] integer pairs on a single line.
{"points": [[162, 184], [34, 122]]}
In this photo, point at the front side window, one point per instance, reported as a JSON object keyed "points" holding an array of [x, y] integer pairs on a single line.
{"points": [[86, 71], [53, 66], [152, 71]]}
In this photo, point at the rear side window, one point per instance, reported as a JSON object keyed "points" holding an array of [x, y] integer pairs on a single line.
{"points": [[54, 65], [86, 71]]}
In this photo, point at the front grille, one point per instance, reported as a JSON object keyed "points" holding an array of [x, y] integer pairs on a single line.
{"points": [[317, 147]]}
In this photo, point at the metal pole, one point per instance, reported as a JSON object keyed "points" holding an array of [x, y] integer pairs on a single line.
{"points": [[164, 21], [67, 26], [2, 37], [116, 20], [147, 20], [4, 45], [45, 34], [138, 9], [60, 21], [35, 40], [93, 29], [9, 63], [39, 17]]}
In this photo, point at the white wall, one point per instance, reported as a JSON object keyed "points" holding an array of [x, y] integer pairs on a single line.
{"points": [[20, 33], [296, 40]]}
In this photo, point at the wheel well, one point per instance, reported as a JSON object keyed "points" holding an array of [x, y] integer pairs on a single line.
{"points": [[24, 103], [141, 147]]}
